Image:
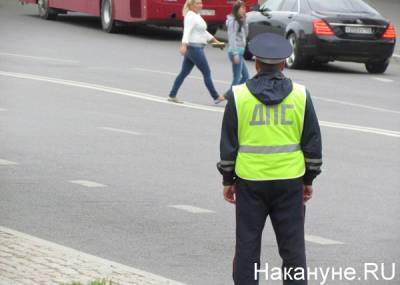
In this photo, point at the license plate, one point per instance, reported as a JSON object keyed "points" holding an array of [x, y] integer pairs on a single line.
{"points": [[207, 12], [358, 30]]}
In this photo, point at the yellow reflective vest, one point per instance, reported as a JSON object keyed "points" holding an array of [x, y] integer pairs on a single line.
{"points": [[270, 135]]}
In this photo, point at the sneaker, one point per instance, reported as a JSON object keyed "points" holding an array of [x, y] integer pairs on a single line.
{"points": [[219, 99], [174, 100]]}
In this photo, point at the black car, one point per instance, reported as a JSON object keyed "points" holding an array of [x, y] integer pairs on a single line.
{"points": [[322, 31]]}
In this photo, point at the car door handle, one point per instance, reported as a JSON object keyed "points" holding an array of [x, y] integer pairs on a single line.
{"points": [[290, 16]]}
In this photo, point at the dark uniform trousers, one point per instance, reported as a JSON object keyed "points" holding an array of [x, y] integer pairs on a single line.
{"points": [[282, 200]]}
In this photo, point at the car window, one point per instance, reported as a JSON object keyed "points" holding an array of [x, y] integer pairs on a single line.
{"points": [[290, 5], [341, 6], [271, 5]]}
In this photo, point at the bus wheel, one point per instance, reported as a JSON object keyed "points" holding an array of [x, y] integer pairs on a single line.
{"points": [[107, 22], [45, 12], [212, 29]]}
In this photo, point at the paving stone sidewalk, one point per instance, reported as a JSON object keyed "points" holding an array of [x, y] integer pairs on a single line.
{"points": [[26, 260]]}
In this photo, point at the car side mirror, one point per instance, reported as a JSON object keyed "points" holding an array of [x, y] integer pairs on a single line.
{"points": [[266, 12]]}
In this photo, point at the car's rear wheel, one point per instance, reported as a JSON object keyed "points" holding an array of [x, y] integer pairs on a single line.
{"points": [[377, 67], [45, 12], [296, 60], [107, 22]]}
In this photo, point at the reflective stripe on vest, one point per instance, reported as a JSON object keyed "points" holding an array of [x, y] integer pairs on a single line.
{"points": [[269, 136]]}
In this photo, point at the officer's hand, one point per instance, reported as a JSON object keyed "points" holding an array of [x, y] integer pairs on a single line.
{"points": [[308, 192], [229, 194]]}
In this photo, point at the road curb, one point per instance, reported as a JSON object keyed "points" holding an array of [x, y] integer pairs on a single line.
{"points": [[26, 259]]}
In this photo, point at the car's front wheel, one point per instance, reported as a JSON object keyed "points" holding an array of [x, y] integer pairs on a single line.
{"points": [[377, 67], [296, 60], [107, 22]]}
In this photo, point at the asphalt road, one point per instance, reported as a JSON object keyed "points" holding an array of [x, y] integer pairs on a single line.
{"points": [[60, 127]]}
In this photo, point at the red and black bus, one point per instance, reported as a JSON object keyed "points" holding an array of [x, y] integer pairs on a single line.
{"points": [[157, 12]]}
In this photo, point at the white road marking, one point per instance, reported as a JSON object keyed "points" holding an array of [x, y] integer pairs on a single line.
{"points": [[313, 97], [3, 110], [355, 104], [396, 55], [39, 57], [157, 71], [175, 74], [116, 271], [310, 238], [191, 209], [321, 240], [383, 79], [149, 97], [87, 183], [120, 131], [102, 88], [7, 162], [361, 129]]}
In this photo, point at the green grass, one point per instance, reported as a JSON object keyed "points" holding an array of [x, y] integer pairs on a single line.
{"points": [[97, 282]]}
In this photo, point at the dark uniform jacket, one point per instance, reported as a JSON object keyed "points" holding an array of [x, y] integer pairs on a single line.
{"points": [[270, 88]]}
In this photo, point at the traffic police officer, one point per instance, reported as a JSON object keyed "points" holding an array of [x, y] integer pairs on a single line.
{"points": [[270, 154]]}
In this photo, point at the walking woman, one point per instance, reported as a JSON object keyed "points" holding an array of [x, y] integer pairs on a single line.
{"points": [[195, 38], [237, 34]]}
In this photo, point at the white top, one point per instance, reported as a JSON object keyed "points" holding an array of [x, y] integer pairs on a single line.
{"points": [[195, 29]]}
